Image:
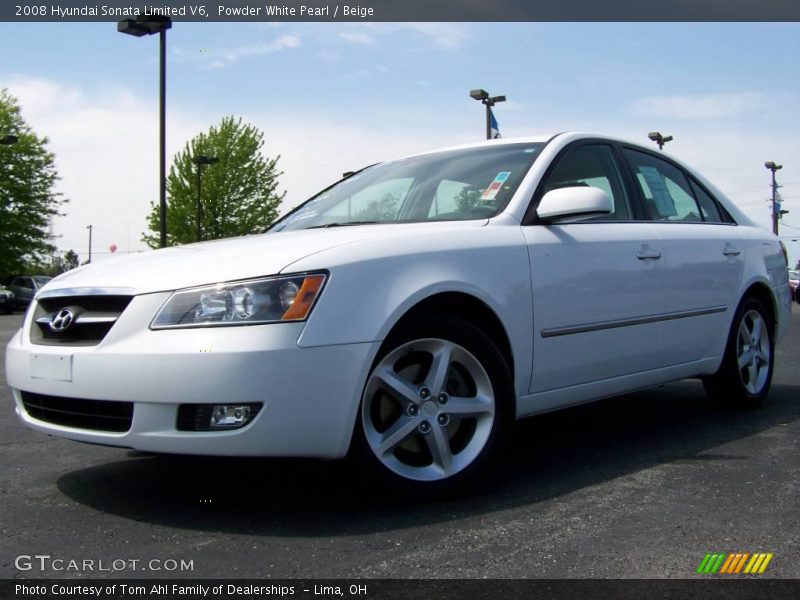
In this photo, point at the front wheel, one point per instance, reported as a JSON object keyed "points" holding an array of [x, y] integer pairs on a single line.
{"points": [[437, 407], [744, 377]]}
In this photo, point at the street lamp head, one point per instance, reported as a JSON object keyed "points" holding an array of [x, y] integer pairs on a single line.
{"points": [[494, 99], [9, 139], [478, 94], [772, 166], [141, 26], [659, 139]]}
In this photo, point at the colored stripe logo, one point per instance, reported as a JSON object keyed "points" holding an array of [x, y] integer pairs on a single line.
{"points": [[735, 563]]}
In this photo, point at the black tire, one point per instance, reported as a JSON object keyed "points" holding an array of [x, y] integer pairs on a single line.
{"points": [[737, 387], [409, 466]]}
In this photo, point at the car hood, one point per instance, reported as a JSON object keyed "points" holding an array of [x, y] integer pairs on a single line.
{"points": [[227, 260]]}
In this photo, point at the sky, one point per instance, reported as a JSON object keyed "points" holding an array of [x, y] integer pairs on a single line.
{"points": [[334, 97]]}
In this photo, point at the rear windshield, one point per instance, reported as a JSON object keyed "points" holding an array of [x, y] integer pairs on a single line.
{"points": [[456, 185]]}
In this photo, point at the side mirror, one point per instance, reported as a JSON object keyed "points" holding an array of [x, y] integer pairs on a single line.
{"points": [[573, 204]]}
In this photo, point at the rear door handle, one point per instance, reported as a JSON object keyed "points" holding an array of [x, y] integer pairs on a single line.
{"points": [[647, 253], [731, 251]]}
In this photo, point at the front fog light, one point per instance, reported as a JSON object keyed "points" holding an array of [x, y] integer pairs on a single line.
{"points": [[228, 415], [215, 417]]}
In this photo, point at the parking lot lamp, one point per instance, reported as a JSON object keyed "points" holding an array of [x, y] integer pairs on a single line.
{"points": [[488, 101], [139, 27], [659, 139]]}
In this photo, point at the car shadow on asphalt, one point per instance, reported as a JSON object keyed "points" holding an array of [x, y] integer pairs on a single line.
{"points": [[551, 455]]}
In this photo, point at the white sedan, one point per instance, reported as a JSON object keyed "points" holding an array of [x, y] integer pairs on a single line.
{"points": [[410, 312]]}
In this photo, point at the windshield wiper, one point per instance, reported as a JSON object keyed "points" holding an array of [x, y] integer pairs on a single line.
{"points": [[342, 224]]}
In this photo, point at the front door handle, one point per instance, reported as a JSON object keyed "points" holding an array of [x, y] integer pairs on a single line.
{"points": [[647, 253], [731, 251]]}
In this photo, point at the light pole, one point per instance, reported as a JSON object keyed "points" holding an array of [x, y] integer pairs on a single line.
{"points": [[89, 227], [138, 27], [773, 167], [488, 101], [9, 139], [659, 139], [201, 161]]}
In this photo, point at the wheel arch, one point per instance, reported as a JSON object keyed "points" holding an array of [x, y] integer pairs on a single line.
{"points": [[469, 308], [761, 292]]}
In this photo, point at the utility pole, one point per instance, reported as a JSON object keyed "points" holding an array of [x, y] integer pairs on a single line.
{"points": [[775, 208], [89, 227]]}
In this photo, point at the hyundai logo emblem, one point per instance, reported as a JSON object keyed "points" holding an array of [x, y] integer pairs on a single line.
{"points": [[62, 320]]}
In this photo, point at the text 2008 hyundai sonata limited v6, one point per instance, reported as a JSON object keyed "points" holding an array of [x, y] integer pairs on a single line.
{"points": [[412, 311]]}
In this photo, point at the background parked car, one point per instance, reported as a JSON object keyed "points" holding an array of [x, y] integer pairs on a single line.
{"points": [[6, 300], [25, 287], [794, 284]]}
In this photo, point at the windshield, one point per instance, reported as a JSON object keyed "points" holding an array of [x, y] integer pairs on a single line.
{"points": [[41, 279], [455, 185]]}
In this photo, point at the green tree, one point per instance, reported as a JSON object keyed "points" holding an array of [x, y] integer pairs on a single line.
{"points": [[238, 193], [28, 199], [71, 260]]}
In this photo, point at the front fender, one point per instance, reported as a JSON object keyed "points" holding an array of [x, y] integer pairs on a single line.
{"points": [[371, 288]]}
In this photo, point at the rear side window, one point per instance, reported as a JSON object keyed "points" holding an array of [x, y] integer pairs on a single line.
{"points": [[667, 193], [712, 212]]}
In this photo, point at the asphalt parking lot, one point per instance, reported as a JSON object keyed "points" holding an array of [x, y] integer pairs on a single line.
{"points": [[642, 486]]}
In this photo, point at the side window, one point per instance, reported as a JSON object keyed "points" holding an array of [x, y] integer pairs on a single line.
{"points": [[24, 282], [592, 166], [666, 190], [707, 204]]}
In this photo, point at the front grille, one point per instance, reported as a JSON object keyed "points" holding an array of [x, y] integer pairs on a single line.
{"points": [[92, 317], [110, 304], [96, 415]]}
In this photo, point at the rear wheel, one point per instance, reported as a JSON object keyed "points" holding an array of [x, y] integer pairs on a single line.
{"points": [[437, 406], [745, 375]]}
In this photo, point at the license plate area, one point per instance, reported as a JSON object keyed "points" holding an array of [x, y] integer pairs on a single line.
{"points": [[56, 367]]}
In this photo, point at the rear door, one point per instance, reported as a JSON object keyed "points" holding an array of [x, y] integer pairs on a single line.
{"points": [[702, 259]]}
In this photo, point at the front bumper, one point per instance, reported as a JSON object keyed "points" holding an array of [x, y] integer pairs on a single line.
{"points": [[310, 396]]}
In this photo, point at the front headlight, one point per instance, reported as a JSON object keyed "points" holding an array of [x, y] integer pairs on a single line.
{"points": [[267, 300]]}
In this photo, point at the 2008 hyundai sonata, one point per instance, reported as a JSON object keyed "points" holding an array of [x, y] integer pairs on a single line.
{"points": [[410, 312]]}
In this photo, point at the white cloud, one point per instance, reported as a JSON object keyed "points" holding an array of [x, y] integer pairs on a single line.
{"points": [[699, 106], [446, 35], [356, 38], [106, 147], [450, 36], [221, 57], [329, 55]]}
